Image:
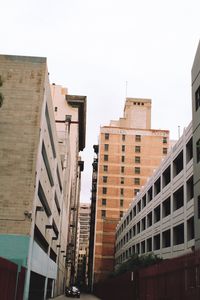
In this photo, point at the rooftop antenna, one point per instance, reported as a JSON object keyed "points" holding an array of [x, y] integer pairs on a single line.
{"points": [[179, 133]]}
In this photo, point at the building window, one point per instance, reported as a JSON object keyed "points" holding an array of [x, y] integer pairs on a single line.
{"points": [[122, 192], [123, 137], [198, 150], [105, 157], [164, 140], [166, 207], [178, 164], [55, 108], [157, 242], [103, 213], [164, 150], [137, 159], [122, 180], [123, 148], [104, 190], [166, 238], [105, 178], [137, 170], [121, 214], [103, 201], [105, 168], [121, 202], [136, 180], [106, 136], [138, 138], [178, 234], [136, 191], [189, 150], [178, 198], [122, 169], [106, 147], [137, 149], [197, 98], [123, 159]]}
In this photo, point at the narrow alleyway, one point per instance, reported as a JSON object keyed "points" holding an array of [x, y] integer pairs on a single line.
{"points": [[83, 297]]}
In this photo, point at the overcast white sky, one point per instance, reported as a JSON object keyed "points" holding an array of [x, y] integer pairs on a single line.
{"points": [[94, 46]]}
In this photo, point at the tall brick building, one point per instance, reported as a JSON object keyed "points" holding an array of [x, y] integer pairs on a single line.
{"points": [[129, 151]]}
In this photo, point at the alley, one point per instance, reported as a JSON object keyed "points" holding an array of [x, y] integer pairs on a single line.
{"points": [[83, 297]]}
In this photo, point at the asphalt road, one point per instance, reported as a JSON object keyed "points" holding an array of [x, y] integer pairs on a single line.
{"points": [[83, 297]]}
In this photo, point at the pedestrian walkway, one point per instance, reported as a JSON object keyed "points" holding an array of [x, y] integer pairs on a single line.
{"points": [[83, 297]]}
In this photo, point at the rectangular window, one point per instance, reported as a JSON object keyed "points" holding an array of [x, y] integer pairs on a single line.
{"points": [[178, 198], [103, 213], [166, 238], [121, 214], [123, 137], [43, 200], [122, 180], [136, 191], [122, 192], [197, 98], [105, 178], [166, 176], [122, 169], [105, 157], [164, 140], [47, 165], [137, 181], [198, 150], [105, 168], [164, 150], [123, 159], [103, 201], [104, 190], [123, 148], [106, 136], [190, 188], [138, 138], [121, 202], [137, 170], [157, 214], [106, 147], [137, 149], [137, 159], [166, 207], [189, 150], [157, 242], [178, 164], [178, 234]]}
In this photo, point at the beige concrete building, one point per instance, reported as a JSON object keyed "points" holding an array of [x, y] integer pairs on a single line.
{"points": [[39, 174], [84, 235], [129, 152], [70, 117]]}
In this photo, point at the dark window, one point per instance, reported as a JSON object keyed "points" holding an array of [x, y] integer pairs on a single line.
{"points": [[144, 202], [178, 164], [123, 137], [122, 192], [144, 223], [121, 202], [197, 98], [137, 170], [178, 234], [149, 219], [106, 136], [178, 198], [55, 108], [136, 180], [157, 214], [137, 149], [166, 238], [105, 179], [104, 190], [103, 201], [122, 169], [190, 229], [157, 187], [139, 206], [143, 247], [149, 244], [136, 191], [138, 227], [46, 162], [134, 211], [166, 176], [166, 207], [105, 157], [164, 150], [43, 200], [121, 214], [137, 159], [198, 150], [123, 148], [157, 242], [138, 138], [106, 147], [190, 188], [105, 168], [149, 195], [189, 150], [103, 213], [59, 180], [122, 180], [164, 140]]}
